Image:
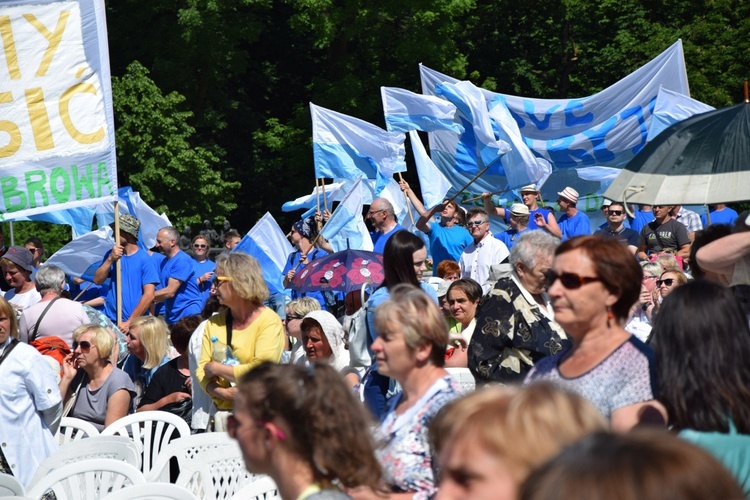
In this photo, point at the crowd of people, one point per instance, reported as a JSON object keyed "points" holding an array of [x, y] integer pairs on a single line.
{"points": [[607, 363]]}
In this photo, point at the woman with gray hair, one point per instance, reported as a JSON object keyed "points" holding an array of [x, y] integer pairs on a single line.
{"points": [[515, 322], [53, 316]]}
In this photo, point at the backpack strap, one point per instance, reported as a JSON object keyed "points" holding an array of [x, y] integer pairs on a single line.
{"points": [[11, 346], [33, 335], [229, 328]]}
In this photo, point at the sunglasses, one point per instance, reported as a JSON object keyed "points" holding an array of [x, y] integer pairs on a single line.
{"points": [[199, 246], [218, 280], [476, 223], [667, 282], [615, 212], [84, 345], [571, 281], [290, 317]]}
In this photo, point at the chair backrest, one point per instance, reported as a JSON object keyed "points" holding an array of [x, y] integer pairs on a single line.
{"points": [[73, 429], [188, 448], [464, 378], [152, 491], [89, 479], [117, 448], [10, 486], [151, 431], [262, 489], [215, 474]]}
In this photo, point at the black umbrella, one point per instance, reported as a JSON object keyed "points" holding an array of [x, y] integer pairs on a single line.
{"points": [[704, 159]]}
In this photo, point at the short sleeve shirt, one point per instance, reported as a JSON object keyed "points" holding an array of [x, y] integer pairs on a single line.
{"points": [[578, 225], [188, 299], [138, 270], [447, 243], [672, 234]]}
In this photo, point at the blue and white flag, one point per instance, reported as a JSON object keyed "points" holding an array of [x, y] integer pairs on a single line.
{"points": [[80, 219], [268, 244], [83, 256], [344, 228], [405, 111], [347, 147], [477, 148], [672, 107], [432, 182], [131, 203], [334, 192]]}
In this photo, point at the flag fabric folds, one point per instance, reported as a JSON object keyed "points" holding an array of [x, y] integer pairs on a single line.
{"points": [[333, 192], [405, 111], [83, 256], [80, 219], [268, 244], [347, 147], [131, 203], [432, 182], [672, 107], [344, 228]]}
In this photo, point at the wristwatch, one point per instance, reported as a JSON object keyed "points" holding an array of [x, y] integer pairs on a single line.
{"points": [[647, 305]]}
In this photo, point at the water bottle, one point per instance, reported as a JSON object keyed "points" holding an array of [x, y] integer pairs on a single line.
{"points": [[222, 353]]}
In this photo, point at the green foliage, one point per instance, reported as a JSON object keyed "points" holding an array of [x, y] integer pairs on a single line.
{"points": [[155, 155], [54, 236]]}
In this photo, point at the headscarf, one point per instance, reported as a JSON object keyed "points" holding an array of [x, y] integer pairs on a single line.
{"points": [[335, 335], [305, 227]]}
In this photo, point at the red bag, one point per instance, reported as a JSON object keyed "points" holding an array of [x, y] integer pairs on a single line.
{"points": [[52, 346]]}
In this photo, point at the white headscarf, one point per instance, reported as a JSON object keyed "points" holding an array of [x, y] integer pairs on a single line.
{"points": [[335, 335]]}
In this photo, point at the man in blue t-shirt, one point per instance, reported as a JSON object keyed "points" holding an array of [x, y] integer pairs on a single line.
{"points": [[447, 239], [139, 275], [519, 224], [721, 214], [573, 222], [179, 291], [383, 218]]}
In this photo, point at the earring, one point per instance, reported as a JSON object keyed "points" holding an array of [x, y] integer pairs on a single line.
{"points": [[610, 316]]}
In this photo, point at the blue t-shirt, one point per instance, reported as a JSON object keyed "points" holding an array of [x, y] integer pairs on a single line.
{"points": [[201, 268], [641, 219], [138, 270], [158, 259], [578, 225], [532, 214], [510, 236], [726, 216], [188, 298], [447, 243], [292, 262], [380, 239]]}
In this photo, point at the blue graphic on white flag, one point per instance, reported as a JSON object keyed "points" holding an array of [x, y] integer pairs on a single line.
{"points": [[672, 107], [347, 147], [477, 147], [131, 203], [344, 228], [405, 111], [80, 219], [432, 182], [333, 193], [83, 256], [268, 244]]}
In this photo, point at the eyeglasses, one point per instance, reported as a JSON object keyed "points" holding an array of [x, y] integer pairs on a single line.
{"points": [[196, 245], [650, 277], [373, 212], [615, 212], [290, 317], [84, 345], [667, 282], [218, 280], [476, 223], [571, 281]]}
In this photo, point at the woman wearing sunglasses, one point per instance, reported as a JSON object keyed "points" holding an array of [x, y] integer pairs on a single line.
{"points": [[669, 280], [251, 330], [93, 389], [592, 285], [203, 266]]}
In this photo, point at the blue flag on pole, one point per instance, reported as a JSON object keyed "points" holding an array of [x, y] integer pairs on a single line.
{"points": [[83, 256], [268, 244]]}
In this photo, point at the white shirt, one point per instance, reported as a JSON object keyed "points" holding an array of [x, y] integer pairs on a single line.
{"points": [[203, 407], [478, 257], [28, 388], [21, 301]]}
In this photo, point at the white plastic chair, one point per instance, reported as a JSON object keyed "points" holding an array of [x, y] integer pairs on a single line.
{"points": [[10, 486], [89, 479], [188, 448], [152, 491], [262, 489], [73, 429], [464, 378], [151, 431], [117, 448]]}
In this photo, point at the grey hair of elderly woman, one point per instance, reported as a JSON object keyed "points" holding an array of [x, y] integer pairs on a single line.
{"points": [[49, 278], [530, 245]]}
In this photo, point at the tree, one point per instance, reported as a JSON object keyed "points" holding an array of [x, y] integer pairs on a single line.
{"points": [[155, 155]]}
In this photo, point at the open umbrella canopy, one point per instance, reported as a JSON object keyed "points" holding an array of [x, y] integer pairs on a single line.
{"points": [[704, 159], [344, 271]]}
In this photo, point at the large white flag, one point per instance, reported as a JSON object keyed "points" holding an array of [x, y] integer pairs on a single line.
{"points": [[405, 111], [432, 182], [344, 229], [672, 107], [83, 256]]}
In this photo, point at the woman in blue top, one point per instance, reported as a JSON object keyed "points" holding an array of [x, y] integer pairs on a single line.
{"points": [[701, 340]]}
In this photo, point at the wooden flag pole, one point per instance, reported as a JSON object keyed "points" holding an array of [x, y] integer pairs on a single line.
{"points": [[317, 202], [118, 264], [472, 181], [406, 197], [83, 291], [325, 202], [480, 196]]}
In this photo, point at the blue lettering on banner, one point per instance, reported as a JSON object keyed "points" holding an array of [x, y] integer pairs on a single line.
{"points": [[597, 137], [528, 107], [572, 120]]}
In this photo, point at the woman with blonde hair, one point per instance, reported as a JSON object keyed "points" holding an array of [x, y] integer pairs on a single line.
{"points": [[296, 310], [498, 435], [305, 429], [101, 392], [251, 330], [148, 348]]}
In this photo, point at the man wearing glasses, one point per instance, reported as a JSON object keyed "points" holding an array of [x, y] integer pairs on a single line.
{"points": [[616, 227], [203, 266], [484, 252], [383, 220], [179, 290], [139, 275]]}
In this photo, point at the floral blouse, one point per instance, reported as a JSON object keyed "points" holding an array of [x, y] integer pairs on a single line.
{"points": [[512, 333], [405, 454]]}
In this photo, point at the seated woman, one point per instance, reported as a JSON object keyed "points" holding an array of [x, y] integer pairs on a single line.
{"points": [[497, 435], [102, 393], [638, 465], [701, 340], [515, 323], [171, 384], [592, 284], [410, 348], [148, 347], [304, 428], [463, 299]]}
